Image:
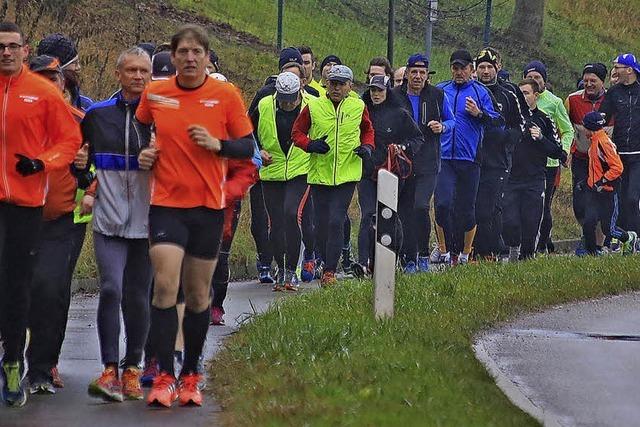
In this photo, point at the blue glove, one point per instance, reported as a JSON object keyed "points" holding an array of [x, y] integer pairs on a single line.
{"points": [[319, 146]]}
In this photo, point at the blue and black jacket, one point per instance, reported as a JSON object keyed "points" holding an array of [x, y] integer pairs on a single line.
{"points": [[464, 141], [115, 139]]}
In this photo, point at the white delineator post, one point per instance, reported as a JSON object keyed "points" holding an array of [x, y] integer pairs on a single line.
{"points": [[384, 274]]}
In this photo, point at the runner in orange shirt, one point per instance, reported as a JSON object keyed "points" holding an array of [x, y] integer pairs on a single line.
{"points": [[38, 135], [198, 122]]}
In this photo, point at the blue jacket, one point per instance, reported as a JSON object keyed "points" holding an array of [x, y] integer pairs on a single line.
{"points": [[463, 142]]}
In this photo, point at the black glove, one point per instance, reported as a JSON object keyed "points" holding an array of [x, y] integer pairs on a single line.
{"points": [[363, 151], [27, 166], [598, 185], [85, 179], [319, 146]]}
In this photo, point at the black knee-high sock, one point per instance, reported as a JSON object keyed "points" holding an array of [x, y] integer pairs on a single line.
{"points": [[194, 328], [164, 327]]}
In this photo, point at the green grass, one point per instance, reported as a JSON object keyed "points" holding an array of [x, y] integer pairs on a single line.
{"points": [[321, 359]]}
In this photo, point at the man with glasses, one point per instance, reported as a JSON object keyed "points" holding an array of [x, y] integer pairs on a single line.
{"points": [[621, 105], [32, 110]]}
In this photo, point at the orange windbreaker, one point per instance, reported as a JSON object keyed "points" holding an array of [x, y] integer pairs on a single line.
{"points": [[604, 160], [35, 122], [61, 197], [186, 175]]}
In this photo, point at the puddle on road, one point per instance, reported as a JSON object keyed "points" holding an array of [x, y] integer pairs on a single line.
{"points": [[545, 333]]}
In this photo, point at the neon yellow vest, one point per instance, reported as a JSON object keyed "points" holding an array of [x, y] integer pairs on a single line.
{"points": [[341, 126], [285, 166]]}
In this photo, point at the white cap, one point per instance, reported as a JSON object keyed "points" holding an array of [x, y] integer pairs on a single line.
{"points": [[287, 87]]}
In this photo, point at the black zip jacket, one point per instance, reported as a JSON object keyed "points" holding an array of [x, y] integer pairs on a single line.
{"points": [[530, 156], [427, 160], [392, 124], [498, 144], [622, 104]]}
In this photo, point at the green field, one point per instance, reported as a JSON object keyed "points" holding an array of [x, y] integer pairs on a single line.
{"points": [[321, 359]]}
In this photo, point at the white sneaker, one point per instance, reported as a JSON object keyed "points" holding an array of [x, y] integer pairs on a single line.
{"points": [[434, 258], [463, 259]]}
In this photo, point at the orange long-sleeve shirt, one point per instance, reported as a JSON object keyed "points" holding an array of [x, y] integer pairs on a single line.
{"points": [[35, 122], [604, 160]]}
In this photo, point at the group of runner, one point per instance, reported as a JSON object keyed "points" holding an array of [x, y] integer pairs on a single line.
{"points": [[163, 164]]}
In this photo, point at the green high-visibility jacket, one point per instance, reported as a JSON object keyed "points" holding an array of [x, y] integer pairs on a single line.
{"points": [[284, 166], [341, 126]]}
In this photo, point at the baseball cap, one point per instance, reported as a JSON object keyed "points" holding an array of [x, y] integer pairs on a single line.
{"points": [[381, 82], [461, 57], [287, 87], [45, 63], [628, 60], [594, 121], [328, 59], [289, 54], [59, 46], [340, 73], [416, 58], [161, 66]]}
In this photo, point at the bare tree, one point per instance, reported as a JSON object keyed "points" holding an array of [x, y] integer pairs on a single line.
{"points": [[527, 21]]}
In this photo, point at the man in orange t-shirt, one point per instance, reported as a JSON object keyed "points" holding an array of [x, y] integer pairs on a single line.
{"points": [[38, 135], [198, 122]]}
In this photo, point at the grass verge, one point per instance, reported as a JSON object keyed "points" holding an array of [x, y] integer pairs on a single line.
{"points": [[321, 359]]}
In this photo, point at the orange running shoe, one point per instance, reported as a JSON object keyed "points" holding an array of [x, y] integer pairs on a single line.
{"points": [[55, 378], [189, 391], [131, 388], [108, 386], [163, 392], [328, 279]]}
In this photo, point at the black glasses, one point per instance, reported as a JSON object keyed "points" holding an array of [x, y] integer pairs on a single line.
{"points": [[13, 47]]}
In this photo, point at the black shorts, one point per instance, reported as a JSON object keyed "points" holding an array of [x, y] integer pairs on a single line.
{"points": [[197, 230]]}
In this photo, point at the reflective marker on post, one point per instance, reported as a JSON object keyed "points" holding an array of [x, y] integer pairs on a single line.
{"points": [[387, 246]]}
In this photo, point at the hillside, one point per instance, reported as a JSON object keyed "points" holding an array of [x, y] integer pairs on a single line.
{"points": [[243, 34]]}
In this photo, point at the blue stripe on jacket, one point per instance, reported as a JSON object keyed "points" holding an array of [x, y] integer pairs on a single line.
{"points": [[118, 162]]}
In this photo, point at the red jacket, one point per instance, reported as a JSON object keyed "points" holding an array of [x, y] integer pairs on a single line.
{"points": [[241, 175], [35, 122], [578, 105]]}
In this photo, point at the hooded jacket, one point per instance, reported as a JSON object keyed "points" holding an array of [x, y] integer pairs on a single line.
{"points": [[392, 124]]}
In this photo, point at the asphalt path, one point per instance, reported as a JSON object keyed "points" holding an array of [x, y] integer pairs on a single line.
{"points": [[573, 365], [73, 407]]}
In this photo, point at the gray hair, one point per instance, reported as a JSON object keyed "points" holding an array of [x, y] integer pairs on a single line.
{"points": [[132, 51]]}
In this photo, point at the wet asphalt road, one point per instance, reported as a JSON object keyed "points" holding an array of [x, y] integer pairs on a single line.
{"points": [[73, 407], [573, 365]]}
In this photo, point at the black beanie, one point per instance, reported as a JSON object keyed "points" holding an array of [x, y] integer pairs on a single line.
{"points": [[596, 68], [58, 46]]}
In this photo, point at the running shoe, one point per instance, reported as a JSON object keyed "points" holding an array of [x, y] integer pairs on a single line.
{"points": [[13, 392], [358, 270], [463, 259], [264, 273], [423, 264], [108, 386], [308, 270], [56, 379], [615, 246], [216, 316], [163, 392], [151, 370], [410, 268], [189, 390], [514, 253], [131, 389], [435, 255], [581, 250], [291, 282], [328, 279], [319, 268], [347, 260], [41, 386], [629, 247]]}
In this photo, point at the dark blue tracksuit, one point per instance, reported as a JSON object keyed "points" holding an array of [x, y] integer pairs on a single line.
{"points": [[457, 183]]}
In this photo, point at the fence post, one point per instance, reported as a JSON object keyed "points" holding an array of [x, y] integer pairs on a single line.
{"points": [[384, 273]]}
